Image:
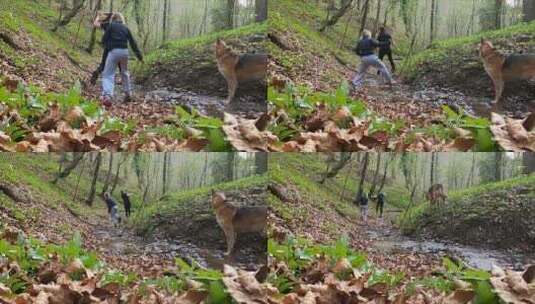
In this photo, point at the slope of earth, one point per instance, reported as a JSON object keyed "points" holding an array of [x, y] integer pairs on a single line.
{"points": [[31, 51], [187, 217], [185, 72], [54, 213], [495, 215], [455, 66], [299, 52]]}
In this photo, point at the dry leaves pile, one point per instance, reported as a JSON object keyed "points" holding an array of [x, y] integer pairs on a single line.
{"points": [[514, 134], [514, 287], [69, 129]]}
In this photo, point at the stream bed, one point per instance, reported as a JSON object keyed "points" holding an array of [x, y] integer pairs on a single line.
{"points": [[387, 239]]}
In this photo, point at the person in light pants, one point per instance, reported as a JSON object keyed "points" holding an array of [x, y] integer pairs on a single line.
{"points": [[116, 39], [366, 50]]}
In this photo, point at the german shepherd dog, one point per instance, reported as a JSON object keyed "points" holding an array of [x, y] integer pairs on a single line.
{"points": [[503, 69], [234, 220], [238, 68]]}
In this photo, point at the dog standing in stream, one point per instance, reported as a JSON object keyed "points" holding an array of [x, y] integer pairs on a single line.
{"points": [[503, 69], [238, 68], [234, 220]]}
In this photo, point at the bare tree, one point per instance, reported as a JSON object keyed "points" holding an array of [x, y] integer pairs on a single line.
{"points": [[91, 197]]}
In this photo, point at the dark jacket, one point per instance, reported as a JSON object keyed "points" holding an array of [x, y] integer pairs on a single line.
{"points": [[386, 39], [367, 46], [126, 200], [110, 203], [118, 36], [381, 198]]}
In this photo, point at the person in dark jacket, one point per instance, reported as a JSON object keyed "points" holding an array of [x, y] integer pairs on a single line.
{"points": [[362, 200], [366, 50], [116, 39], [110, 202], [385, 49], [126, 202], [102, 24], [112, 209], [380, 204]]}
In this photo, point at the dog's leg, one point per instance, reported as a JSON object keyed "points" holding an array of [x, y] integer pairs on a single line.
{"points": [[231, 238], [232, 87], [499, 85]]}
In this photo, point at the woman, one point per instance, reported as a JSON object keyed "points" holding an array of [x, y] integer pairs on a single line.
{"points": [[366, 50], [116, 40]]}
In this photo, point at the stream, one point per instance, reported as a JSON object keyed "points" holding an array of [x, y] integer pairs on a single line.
{"points": [[389, 240], [436, 97], [120, 241]]}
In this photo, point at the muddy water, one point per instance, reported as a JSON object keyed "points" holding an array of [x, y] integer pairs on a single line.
{"points": [[208, 105], [119, 241], [438, 96], [390, 240]]}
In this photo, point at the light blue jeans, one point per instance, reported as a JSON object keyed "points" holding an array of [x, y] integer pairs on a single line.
{"points": [[371, 61], [115, 58]]}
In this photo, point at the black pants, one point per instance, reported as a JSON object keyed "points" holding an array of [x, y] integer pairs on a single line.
{"points": [[379, 208], [127, 210], [387, 52]]}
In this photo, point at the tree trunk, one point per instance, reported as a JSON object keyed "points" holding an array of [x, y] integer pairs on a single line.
{"points": [[91, 197], [69, 167], [116, 179], [365, 15], [231, 4], [529, 10], [433, 169], [345, 157], [229, 174], [108, 175], [344, 8], [377, 17], [498, 16], [261, 162], [93, 39], [528, 162], [165, 24], [376, 175], [363, 174], [164, 173], [385, 173], [77, 7], [498, 157], [261, 10], [433, 18]]}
